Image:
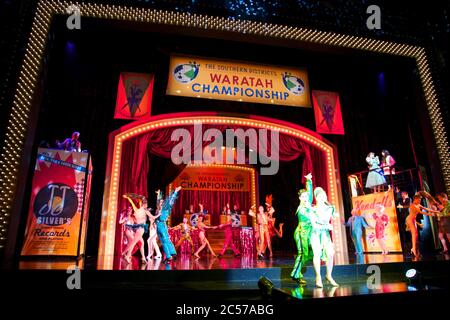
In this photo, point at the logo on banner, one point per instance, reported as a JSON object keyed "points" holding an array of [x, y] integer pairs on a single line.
{"points": [[294, 84], [186, 72], [134, 96], [327, 112], [55, 204]]}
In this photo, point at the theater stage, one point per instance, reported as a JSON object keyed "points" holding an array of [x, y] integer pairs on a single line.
{"points": [[237, 278]]}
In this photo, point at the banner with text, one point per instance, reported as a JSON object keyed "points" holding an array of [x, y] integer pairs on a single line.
{"points": [[237, 81], [380, 212], [214, 179], [57, 216]]}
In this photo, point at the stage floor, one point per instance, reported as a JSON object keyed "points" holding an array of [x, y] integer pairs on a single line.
{"points": [[208, 262], [233, 278]]}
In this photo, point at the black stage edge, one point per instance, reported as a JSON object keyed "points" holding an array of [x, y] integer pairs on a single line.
{"points": [[433, 272], [121, 292]]}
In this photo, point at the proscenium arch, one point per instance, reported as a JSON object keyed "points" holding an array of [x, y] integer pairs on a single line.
{"points": [[118, 137], [15, 157]]}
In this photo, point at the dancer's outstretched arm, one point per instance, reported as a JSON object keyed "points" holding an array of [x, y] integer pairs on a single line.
{"points": [[365, 223], [173, 197], [334, 214], [158, 195], [429, 212], [123, 219], [177, 227], [348, 223], [131, 201], [152, 217], [309, 186]]}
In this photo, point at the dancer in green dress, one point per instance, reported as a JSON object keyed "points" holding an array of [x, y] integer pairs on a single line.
{"points": [[302, 233]]}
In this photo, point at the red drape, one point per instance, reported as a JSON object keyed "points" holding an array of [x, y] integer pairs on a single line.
{"points": [[135, 168]]}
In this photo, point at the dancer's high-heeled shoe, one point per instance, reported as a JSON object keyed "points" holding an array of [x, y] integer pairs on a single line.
{"points": [[166, 261], [331, 282], [319, 283], [415, 254], [300, 281]]}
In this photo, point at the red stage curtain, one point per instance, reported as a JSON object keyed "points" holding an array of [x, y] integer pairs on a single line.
{"points": [[213, 201], [133, 178], [314, 160]]}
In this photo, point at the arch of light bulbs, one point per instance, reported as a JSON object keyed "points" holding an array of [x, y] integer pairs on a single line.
{"points": [[111, 195], [11, 154]]}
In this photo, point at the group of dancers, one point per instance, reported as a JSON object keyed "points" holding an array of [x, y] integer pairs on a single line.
{"points": [[440, 209], [136, 225], [186, 230], [312, 235], [357, 222]]}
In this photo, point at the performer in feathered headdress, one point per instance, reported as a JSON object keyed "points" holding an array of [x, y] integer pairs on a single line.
{"points": [[270, 211], [164, 209]]}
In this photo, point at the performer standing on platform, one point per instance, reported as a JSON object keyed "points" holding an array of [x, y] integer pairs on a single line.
{"points": [[70, 144], [375, 178], [387, 163], [381, 221], [152, 237], [139, 226], [270, 211], [165, 209], [415, 209], [228, 243], [302, 234], [356, 223], [202, 236], [444, 219], [185, 229], [321, 243], [263, 230]]}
